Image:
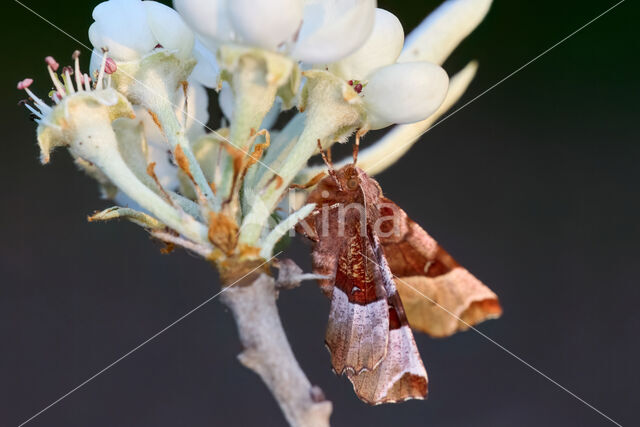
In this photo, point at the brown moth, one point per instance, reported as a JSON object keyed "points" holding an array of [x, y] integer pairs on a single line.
{"points": [[361, 241]]}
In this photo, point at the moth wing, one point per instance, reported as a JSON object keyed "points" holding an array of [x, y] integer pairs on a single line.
{"points": [[358, 326], [401, 375], [440, 296]]}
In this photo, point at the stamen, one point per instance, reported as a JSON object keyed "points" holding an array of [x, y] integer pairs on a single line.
{"points": [[37, 113], [87, 82], [55, 79], [101, 69], [55, 96], [23, 84], [357, 86], [39, 103], [110, 66], [78, 73], [52, 63], [68, 83]]}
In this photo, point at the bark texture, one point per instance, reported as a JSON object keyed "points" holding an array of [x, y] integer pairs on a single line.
{"points": [[267, 352]]}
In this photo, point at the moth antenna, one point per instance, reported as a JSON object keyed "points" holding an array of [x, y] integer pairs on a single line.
{"points": [[327, 161]]}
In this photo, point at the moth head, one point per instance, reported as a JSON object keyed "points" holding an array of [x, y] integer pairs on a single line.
{"points": [[350, 178]]}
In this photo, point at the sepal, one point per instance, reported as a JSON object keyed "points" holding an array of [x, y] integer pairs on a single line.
{"points": [[78, 112], [153, 79], [137, 217]]}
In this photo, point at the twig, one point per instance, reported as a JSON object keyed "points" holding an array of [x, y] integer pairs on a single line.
{"points": [[267, 353]]}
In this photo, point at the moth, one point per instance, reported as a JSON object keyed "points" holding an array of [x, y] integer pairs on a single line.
{"points": [[369, 249]]}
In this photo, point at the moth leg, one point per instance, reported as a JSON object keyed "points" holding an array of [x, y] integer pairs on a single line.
{"points": [[356, 147], [327, 161]]}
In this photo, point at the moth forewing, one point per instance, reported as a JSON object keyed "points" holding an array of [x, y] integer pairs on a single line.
{"points": [[357, 330]]}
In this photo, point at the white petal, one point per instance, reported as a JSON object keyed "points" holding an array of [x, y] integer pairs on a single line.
{"points": [[395, 143], [404, 93], [441, 32], [381, 48], [332, 29], [168, 28], [94, 63], [400, 139], [206, 70], [121, 26], [208, 18], [266, 23]]}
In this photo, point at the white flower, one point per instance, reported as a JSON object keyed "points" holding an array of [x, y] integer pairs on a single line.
{"points": [[85, 118], [154, 52], [130, 29], [392, 92], [433, 40], [206, 70], [312, 31], [77, 102]]}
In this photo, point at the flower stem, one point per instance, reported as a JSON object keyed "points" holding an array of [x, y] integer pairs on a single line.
{"points": [[254, 96], [152, 83], [176, 137], [328, 118], [96, 142]]}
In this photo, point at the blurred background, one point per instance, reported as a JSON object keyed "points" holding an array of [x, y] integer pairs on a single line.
{"points": [[533, 187]]}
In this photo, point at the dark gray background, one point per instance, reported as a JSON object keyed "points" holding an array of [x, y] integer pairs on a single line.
{"points": [[533, 187]]}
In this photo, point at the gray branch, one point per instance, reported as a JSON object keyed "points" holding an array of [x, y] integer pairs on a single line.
{"points": [[267, 352]]}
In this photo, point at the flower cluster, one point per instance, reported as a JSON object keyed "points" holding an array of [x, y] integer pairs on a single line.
{"points": [[137, 121]]}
